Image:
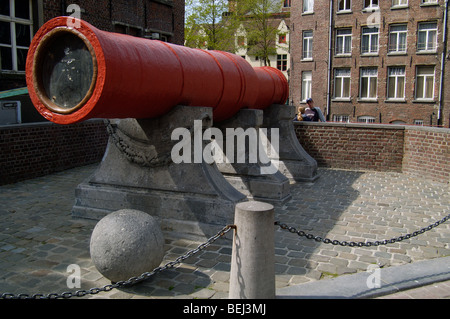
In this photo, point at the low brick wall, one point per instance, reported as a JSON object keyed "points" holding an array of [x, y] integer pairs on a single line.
{"points": [[419, 151], [427, 153], [32, 150]]}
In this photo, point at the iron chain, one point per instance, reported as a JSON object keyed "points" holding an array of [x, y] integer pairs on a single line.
{"points": [[360, 244], [120, 284]]}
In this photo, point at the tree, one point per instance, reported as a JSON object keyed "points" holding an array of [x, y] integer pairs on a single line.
{"points": [[261, 32], [210, 25]]}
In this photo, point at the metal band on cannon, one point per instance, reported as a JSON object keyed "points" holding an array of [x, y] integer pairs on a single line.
{"points": [[74, 74]]}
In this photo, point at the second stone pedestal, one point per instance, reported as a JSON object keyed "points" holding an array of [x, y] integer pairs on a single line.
{"points": [[246, 161]]}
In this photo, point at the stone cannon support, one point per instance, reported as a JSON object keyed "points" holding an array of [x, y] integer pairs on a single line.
{"points": [[248, 177], [292, 160]]}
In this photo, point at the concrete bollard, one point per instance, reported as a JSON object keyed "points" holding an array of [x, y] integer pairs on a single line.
{"points": [[252, 274]]}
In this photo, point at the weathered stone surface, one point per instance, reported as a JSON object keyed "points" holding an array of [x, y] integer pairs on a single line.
{"points": [[125, 244]]}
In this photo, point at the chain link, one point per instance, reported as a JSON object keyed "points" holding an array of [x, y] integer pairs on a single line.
{"points": [[126, 283], [360, 244]]}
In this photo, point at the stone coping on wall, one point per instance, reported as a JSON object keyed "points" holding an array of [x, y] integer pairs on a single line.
{"points": [[377, 126], [40, 124], [420, 150]]}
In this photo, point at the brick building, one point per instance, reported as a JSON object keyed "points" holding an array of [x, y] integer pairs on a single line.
{"points": [[20, 19], [372, 61]]}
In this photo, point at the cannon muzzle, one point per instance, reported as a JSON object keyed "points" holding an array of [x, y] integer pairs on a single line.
{"points": [[77, 73]]}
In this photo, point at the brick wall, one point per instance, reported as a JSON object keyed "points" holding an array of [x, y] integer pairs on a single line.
{"points": [[419, 151], [166, 16], [32, 150], [353, 146], [427, 153], [382, 109]]}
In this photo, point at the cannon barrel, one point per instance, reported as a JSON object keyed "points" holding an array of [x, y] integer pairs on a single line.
{"points": [[77, 73]]}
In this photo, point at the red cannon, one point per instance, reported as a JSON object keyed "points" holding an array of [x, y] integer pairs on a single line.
{"points": [[74, 74]]}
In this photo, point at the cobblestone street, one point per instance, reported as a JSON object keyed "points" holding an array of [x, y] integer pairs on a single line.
{"points": [[39, 239]]}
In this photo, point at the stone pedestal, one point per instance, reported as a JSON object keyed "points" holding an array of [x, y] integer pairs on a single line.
{"points": [[245, 169], [137, 172], [252, 273], [292, 160]]}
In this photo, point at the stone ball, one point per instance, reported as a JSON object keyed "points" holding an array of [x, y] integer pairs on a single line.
{"points": [[125, 244]]}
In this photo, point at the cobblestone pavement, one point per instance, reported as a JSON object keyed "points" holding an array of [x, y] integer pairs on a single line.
{"points": [[39, 239]]}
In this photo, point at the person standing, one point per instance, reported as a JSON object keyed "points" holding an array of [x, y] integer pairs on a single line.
{"points": [[311, 113]]}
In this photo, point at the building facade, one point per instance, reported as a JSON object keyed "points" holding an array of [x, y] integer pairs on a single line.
{"points": [[372, 61], [20, 20], [281, 60]]}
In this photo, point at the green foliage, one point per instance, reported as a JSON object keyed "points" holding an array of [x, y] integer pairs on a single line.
{"points": [[261, 31], [210, 25]]}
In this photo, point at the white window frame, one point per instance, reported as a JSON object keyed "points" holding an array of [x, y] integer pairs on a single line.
{"points": [[341, 118], [371, 74], [306, 85], [307, 45], [346, 7], [341, 76], [282, 61], [423, 71], [399, 3], [396, 74], [428, 2], [397, 34], [12, 20], [373, 4], [341, 38], [308, 6], [429, 46], [373, 40], [366, 119]]}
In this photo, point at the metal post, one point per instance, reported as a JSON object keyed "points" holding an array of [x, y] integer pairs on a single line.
{"points": [[252, 274]]}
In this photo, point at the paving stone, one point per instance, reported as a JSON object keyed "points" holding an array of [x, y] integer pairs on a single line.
{"points": [[40, 239]]}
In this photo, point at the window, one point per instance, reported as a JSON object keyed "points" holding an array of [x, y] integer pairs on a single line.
{"points": [[418, 122], [343, 42], [287, 4], [425, 83], [396, 82], [428, 1], [368, 85], [397, 38], [370, 4], [427, 37], [369, 40], [307, 45], [282, 62], [341, 83], [344, 5], [366, 119], [308, 6], [15, 34], [306, 85], [341, 118], [399, 3]]}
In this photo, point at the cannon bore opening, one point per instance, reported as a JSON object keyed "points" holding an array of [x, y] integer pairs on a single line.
{"points": [[65, 69]]}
